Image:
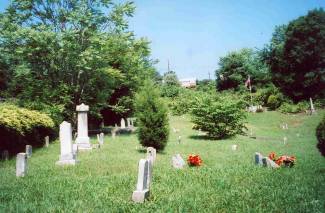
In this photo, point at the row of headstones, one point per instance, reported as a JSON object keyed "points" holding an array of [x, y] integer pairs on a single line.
{"points": [[68, 153], [130, 122], [145, 169], [21, 159]]}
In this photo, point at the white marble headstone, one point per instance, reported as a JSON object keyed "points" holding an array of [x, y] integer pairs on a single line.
{"points": [[142, 191], [82, 136], [67, 156], [21, 164]]}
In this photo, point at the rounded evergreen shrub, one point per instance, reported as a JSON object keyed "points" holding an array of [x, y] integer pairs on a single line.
{"points": [[20, 126], [220, 117], [152, 117], [320, 134]]}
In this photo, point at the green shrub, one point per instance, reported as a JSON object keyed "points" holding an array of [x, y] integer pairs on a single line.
{"points": [[152, 117], [273, 102], [220, 117], [320, 134], [289, 107], [20, 126]]}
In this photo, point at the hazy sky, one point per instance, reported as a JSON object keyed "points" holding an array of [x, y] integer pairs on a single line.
{"points": [[193, 34]]}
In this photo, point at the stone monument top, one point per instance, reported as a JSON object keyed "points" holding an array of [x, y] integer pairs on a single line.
{"points": [[82, 108]]}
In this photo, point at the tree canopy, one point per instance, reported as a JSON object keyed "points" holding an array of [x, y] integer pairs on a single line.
{"points": [[235, 67], [57, 54], [297, 56]]}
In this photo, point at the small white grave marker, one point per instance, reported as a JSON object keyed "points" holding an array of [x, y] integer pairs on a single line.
{"points": [[100, 139], [142, 191], [178, 162], [122, 123], [312, 109], [21, 164], [47, 141], [151, 154], [234, 147]]}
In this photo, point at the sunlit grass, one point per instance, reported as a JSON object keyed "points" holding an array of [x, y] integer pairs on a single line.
{"points": [[228, 181]]}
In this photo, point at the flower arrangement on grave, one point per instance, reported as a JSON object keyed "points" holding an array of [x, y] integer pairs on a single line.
{"points": [[194, 160], [284, 160]]}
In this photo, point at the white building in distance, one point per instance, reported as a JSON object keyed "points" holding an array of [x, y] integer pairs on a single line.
{"points": [[188, 82]]}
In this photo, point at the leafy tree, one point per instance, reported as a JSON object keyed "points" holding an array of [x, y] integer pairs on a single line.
{"points": [[62, 53], [236, 66], [152, 117], [297, 56]]}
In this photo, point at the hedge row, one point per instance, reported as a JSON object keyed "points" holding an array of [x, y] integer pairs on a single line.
{"points": [[20, 126]]}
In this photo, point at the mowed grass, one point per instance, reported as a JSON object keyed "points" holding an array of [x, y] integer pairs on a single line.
{"points": [[228, 181]]}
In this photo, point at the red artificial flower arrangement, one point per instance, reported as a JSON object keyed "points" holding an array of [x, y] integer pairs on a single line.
{"points": [[194, 160], [284, 160]]}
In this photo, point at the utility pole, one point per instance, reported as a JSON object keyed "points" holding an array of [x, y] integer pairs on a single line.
{"points": [[168, 64], [209, 77]]}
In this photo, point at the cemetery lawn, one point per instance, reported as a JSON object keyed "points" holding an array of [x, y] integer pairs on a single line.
{"points": [[228, 181]]}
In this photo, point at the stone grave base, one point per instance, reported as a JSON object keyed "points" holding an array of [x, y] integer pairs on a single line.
{"points": [[66, 162], [84, 146], [140, 196]]}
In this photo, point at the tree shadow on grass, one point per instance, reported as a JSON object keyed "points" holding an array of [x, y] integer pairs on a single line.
{"points": [[201, 137]]}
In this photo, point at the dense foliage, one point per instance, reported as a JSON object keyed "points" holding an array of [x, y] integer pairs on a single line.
{"points": [[219, 116], [170, 85], [297, 56], [320, 134], [19, 126], [63, 53], [237, 66], [152, 117]]}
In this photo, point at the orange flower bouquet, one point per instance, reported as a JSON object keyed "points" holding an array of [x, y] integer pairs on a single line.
{"points": [[284, 160], [194, 160]]}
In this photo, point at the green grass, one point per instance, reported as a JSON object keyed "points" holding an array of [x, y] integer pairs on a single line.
{"points": [[227, 182]]}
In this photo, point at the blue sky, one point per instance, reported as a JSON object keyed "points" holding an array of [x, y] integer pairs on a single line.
{"points": [[193, 34]]}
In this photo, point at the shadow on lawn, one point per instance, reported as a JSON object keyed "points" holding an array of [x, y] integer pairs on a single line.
{"points": [[201, 137]]}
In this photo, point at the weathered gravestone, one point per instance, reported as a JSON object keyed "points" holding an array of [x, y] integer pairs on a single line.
{"points": [[47, 141], [258, 158], [128, 121], [178, 162], [142, 191], [5, 155], [179, 139], [122, 123], [82, 136], [151, 154], [234, 147], [267, 162], [100, 139], [67, 156], [29, 151], [21, 164], [312, 108]]}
